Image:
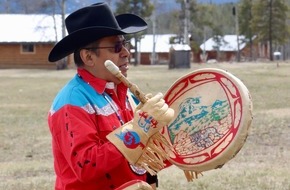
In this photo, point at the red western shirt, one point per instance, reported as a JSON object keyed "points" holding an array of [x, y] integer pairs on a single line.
{"points": [[81, 116]]}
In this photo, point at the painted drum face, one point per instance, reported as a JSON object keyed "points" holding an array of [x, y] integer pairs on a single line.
{"points": [[213, 112]]}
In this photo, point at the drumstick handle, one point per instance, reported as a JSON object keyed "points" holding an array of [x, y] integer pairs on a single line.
{"points": [[133, 87], [168, 116]]}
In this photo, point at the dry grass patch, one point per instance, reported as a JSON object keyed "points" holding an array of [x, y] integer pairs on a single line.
{"points": [[263, 163]]}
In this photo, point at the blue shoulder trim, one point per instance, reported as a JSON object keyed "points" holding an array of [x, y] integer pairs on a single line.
{"points": [[134, 97], [77, 93]]}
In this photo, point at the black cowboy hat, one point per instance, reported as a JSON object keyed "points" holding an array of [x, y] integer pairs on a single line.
{"points": [[91, 23]]}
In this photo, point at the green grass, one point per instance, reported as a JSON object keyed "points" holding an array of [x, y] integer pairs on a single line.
{"points": [[263, 163]]}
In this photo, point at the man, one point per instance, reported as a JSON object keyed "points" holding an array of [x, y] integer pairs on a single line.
{"points": [[98, 141]]}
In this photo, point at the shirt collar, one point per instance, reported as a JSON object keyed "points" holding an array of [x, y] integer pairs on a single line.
{"points": [[98, 84]]}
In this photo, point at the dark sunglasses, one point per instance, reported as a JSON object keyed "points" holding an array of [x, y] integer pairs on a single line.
{"points": [[117, 48]]}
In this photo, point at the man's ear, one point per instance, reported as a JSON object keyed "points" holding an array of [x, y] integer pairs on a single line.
{"points": [[86, 56]]}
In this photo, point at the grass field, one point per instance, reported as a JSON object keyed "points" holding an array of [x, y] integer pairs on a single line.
{"points": [[262, 164]]}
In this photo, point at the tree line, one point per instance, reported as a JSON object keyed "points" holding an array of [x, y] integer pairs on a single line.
{"points": [[263, 20]]}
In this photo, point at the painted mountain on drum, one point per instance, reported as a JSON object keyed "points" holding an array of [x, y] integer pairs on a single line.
{"points": [[201, 123]]}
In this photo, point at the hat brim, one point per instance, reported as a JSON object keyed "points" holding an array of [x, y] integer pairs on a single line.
{"points": [[128, 23]]}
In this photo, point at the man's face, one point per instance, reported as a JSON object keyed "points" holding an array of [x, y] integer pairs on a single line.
{"points": [[109, 48]]}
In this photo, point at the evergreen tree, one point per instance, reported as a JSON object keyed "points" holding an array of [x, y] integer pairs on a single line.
{"points": [[245, 20], [208, 20], [201, 24], [269, 22], [142, 8]]}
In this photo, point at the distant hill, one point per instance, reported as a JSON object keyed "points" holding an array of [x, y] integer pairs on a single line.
{"points": [[163, 5], [218, 1], [72, 5]]}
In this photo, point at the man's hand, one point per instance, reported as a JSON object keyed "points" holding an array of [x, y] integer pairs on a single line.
{"points": [[135, 139]]}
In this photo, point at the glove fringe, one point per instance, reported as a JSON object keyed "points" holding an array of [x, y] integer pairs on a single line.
{"points": [[191, 175], [154, 154]]}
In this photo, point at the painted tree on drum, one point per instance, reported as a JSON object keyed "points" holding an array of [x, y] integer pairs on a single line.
{"points": [[204, 124]]}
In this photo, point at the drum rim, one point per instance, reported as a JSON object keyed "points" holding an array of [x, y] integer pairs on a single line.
{"points": [[242, 132]]}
